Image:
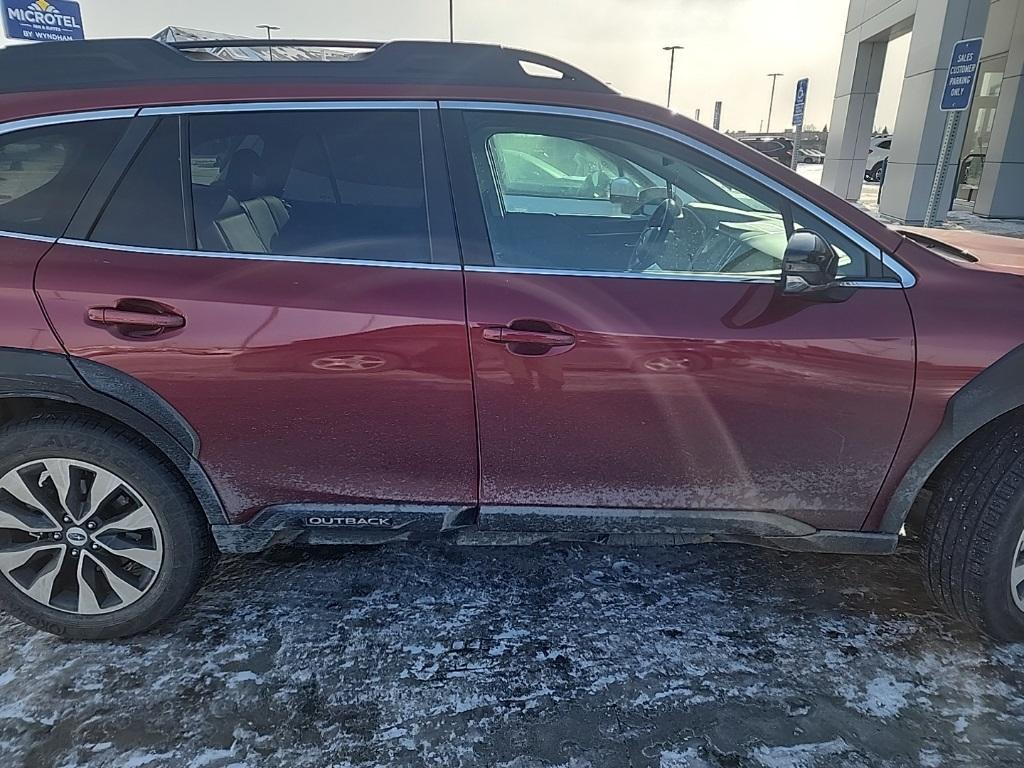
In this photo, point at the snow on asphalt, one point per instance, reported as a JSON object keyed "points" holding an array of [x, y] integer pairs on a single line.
{"points": [[566, 656]]}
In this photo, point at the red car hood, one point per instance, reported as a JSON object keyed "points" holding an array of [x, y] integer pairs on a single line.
{"points": [[993, 252]]}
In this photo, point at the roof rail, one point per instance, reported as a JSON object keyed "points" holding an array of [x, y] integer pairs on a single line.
{"points": [[137, 61], [236, 42]]}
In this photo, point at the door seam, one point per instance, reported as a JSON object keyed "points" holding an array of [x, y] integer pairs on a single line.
{"points": [[465, 313]]}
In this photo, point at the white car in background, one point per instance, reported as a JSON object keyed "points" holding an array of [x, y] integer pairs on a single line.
{"points": [[878, 153]]}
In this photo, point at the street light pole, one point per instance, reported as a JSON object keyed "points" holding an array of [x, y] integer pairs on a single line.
{"points": [[671, 70], [771, 102], [451, 21], [270, 28]]}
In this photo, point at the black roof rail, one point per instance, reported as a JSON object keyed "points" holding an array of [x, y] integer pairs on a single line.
{"points": [[138, 61]]}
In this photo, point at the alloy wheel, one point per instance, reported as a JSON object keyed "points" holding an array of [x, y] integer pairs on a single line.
{"points": [[1017, 574], [77, 538]]}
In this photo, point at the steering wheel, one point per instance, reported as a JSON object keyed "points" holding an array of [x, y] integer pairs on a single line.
{"points": [[652, 239], [673, 238]]}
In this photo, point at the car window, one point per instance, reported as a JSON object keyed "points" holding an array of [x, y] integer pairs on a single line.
{"points": [[887, 144], [591, 192], [309, 177], [147, 208], [536, 173], [596, 196], [45, 172], [345, 184]]}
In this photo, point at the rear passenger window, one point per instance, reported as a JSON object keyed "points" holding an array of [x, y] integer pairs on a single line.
{"points": [[345, 184], [147, 206], [44, 173]]}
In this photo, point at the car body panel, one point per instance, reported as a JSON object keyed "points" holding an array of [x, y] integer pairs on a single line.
{"points": [[23, 326], [691, 395], [993, 253], [966, 317], [276, 427]]}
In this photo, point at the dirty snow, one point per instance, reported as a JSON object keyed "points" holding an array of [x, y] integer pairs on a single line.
{"points": [[584, 657]]}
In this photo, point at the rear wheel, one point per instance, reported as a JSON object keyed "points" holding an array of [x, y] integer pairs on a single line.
{"points": [[99, 536], [973, 556], [875, 174]]}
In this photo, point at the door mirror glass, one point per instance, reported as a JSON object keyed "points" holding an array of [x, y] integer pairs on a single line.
{"points": [[809, 263], [623, 190]]}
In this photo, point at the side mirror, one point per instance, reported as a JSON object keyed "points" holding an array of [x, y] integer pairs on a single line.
{"points": [[624, 191], [809, 264]]}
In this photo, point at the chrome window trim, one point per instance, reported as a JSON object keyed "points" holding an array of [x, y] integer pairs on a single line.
{"points": [[288, 106], [248, 106], [25, 236], [710, 277], [67, 117], [905, 277], [257, 256]]}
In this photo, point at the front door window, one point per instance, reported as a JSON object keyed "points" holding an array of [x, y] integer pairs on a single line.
{"points": [[572, 195]]}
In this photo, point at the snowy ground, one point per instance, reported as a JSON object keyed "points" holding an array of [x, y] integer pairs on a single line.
{"points": [[694, 657], [961, 217]]}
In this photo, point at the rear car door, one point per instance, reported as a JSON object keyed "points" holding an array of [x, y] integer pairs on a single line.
{"points": [[618, 369], [45, 169], [286, 277]]}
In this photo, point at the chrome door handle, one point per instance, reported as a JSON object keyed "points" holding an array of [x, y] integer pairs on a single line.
{"points": [[114, 316], [507, 335]]}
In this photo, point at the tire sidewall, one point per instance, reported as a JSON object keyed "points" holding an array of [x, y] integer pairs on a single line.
{"points": [[1005, 620]]}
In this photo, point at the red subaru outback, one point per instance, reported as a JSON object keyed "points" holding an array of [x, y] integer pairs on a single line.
{"points": [[465, 293]]}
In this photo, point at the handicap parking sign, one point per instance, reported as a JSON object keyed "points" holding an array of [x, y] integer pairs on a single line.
{"points": [[800, 102]]}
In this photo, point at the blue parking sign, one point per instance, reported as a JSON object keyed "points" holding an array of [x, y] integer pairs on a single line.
{"points": [[43, 19], [963, 72], [800, 102]]}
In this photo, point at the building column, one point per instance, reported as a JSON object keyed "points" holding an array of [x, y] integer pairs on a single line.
{"points": [[853, 114], [1001, 191], [920, 124]]}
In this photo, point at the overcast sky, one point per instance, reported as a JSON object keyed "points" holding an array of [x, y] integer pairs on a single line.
{"points": [[730, 44]]}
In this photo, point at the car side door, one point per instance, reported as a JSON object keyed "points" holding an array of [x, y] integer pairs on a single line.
{"points": [[663, 369], [285, 276]]}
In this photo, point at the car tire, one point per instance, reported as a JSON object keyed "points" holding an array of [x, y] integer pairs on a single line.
{"points": [[973, 538], [876, 173], [75, 585]]}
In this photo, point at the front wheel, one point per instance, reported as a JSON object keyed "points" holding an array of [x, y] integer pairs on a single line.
{"points": [[973, 557], [99, 536]]}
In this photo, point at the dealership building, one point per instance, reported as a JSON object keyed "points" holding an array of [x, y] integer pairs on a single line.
{"points": [[986, 168]]}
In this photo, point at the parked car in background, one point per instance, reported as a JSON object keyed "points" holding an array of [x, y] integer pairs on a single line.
{"points": [[878, 153], [811, 156], [776, 147], [236, 311]]}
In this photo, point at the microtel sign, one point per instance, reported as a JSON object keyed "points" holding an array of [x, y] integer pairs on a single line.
{"points": [[43, 20]]}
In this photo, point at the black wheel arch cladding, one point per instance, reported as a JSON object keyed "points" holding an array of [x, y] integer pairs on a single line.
{"points": [[51, 376], [991, 394]]}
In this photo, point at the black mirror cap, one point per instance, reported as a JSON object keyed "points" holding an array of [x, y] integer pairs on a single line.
{"points": [[811, 259]]}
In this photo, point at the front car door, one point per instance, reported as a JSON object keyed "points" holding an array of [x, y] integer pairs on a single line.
{"points": [[636, 354], [285, 276]]}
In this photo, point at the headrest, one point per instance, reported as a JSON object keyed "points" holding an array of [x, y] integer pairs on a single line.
{"points": [[241, 174]]}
